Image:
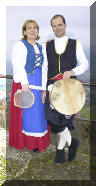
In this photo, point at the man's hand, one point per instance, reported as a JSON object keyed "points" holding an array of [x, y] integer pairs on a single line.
{"points": [[25, 88], [43, 96], [68, 74]]}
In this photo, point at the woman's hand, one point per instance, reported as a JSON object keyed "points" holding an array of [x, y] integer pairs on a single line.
{"points": [[43, 96], [25, 88], [68, 74]]}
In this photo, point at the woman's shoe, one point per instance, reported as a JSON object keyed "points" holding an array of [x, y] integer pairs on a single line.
{"points": [[36, 150]]}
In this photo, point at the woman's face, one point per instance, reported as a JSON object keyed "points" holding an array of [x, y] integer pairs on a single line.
{"points": [[31, 31]]}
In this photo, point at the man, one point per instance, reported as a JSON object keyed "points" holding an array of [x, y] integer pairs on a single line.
{"points": [[61, 56]]}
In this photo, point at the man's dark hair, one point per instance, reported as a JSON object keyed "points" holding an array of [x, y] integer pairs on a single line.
{"points": [[58, 16]]}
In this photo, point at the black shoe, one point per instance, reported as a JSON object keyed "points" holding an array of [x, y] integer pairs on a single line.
{"points": [[73, 149], [35, 150], [60, 156]]}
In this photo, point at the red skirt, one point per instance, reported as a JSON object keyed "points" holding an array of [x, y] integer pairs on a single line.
{"points": [[18, 139]]}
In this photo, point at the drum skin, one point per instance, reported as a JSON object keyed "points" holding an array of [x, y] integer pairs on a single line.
{"points": [[67, 96]]}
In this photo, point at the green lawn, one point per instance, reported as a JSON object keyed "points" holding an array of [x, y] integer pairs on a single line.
{"points": [[85, 112], [2, 169]]}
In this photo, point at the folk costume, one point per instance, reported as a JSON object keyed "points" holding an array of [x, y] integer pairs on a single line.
{"points": [[62, 54], [28, 126]]}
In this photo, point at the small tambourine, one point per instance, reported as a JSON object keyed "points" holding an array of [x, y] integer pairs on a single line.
{"points": [[67, 96], [23, 99]]}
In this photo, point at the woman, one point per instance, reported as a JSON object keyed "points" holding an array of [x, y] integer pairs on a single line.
{"points": [[28, 127]]}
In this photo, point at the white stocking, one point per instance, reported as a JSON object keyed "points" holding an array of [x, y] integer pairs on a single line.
{"points": [[64, 137]]}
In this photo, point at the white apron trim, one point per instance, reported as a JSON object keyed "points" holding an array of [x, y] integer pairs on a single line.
{"points": [[35, 134]]}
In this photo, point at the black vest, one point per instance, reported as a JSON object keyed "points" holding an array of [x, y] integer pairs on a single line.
{"points": [[59, 63]]}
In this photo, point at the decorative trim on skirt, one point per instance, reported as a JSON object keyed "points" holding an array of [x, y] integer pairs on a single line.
{"points": [[34, 134], [16, 138]]}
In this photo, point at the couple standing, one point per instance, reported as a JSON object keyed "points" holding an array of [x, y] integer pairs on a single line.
{"points": [[42, 66]]}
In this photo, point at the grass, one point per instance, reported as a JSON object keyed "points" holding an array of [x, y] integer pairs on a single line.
{"points": [[85, 112], [2, 170], [89, 112]]}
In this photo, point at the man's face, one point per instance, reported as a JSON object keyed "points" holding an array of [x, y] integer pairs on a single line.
{"points": [[58, 27]]}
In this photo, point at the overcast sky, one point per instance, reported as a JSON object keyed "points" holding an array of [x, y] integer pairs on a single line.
{"points": [[13, 13], [77, 19]]}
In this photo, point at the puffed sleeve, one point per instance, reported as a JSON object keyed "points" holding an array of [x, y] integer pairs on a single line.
{"points": [[18, 57], [82, 61]]}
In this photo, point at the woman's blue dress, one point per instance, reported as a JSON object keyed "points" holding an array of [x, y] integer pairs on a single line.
{"points": [[33, 118], [28, 127]]}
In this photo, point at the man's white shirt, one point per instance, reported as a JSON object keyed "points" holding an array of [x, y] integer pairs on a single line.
{"points": [[60, 46]]}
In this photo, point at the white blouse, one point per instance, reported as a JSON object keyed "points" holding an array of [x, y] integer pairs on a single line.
{"points": [[18, 58], [60, 45]]}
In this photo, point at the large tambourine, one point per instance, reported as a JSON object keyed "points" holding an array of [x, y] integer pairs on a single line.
{"points": [[23, 99], [67, 96]]}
